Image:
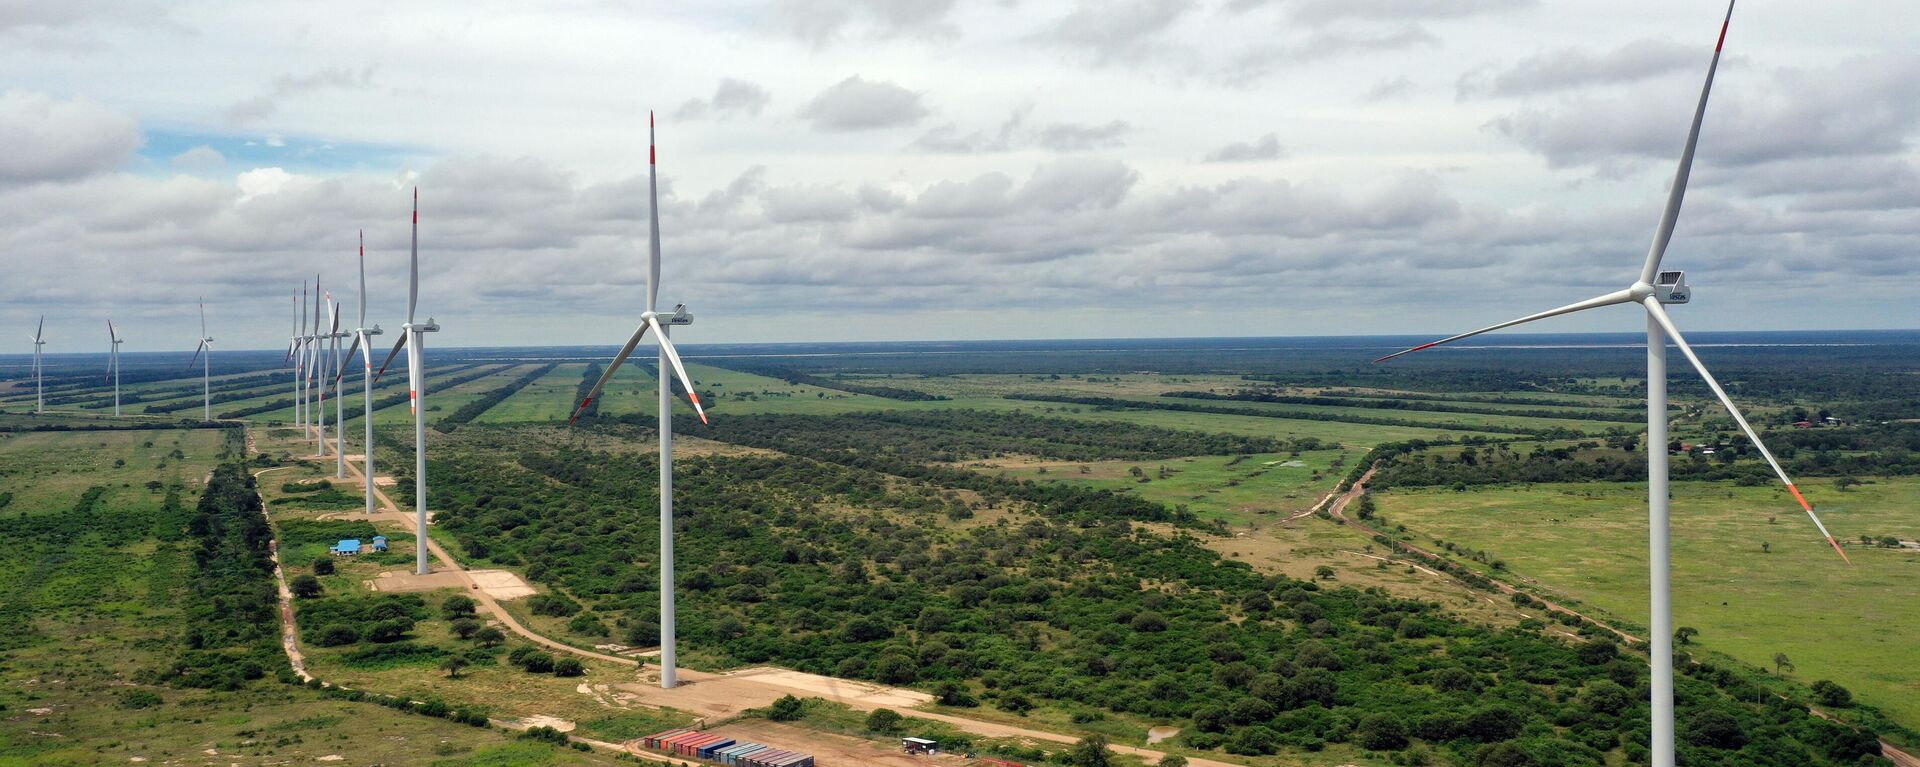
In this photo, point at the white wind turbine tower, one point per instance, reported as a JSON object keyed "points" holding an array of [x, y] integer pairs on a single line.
{"points": [[412, 337], [339, 408], [206, 365], [1652, 289], [668, 357], [39, 389], [363, 342], [296, 351], [113, 364], [316, 373]]}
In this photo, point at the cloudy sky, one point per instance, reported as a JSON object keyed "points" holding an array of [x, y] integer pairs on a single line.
{"points": [[947, 169]]}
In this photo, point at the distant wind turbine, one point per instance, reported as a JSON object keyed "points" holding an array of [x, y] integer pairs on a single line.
{"points": [[206, 365], [669, 357], [296, 353], [113, 364], [39, 387], [363, 342], [339, 408], [316, 373], [1652, 290], [413, 338]]}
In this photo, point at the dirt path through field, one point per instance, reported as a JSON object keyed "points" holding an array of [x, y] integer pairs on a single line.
{"points": [[486, 602], [289, 632], [1339, 511]]}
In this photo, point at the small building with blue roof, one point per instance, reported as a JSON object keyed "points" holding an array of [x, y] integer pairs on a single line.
{"points": [[346, 547]]}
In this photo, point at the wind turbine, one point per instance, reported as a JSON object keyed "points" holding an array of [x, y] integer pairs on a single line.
{"points": [[412, 337], [1652, 290], [206, 365], [113, 364], [316, 362], [363, 341], [339, 408], [296, 351], [668, 357], [39, 389]]}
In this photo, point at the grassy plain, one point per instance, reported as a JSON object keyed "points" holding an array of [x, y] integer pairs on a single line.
{"points": [[1853, 625]]}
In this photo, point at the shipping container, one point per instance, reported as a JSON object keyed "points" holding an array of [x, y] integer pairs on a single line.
{"points": [[731, 754], [757, 749], [653, 741], [707, 751], [691, 746], [761, 759], [797, 760], [671, 745]]}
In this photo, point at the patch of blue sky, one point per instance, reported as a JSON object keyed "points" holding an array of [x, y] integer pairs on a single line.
{"points": [[169, 151]]}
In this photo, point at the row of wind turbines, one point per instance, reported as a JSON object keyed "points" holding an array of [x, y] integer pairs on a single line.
{"points": [[1653, 289]]}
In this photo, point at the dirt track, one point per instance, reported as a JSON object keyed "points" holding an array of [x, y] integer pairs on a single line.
{"points": [[485, 601]]}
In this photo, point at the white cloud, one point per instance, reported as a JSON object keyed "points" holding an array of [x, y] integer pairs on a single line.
{"points": [[48, 139], [857, 104]]}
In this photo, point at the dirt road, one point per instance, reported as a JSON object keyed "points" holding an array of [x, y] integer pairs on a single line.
{"points": [[1339, 511], [485, 601], [289, 631]]}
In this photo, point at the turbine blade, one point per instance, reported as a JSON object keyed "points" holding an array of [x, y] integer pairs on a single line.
{"points": [[196, 354], [38, 328], [1666, 323], [1616, 297], [342, 372], [413, 262], [203, 318], [673, 356], [363, 279], [618, 360], [366, 350], [1671, 214], [653, 220], [397, 346]]}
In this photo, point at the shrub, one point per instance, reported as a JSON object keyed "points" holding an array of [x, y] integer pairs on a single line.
{"points": [[1381, 732], [568, 666], [306, 587], [1832, 695], [884, 720], [786, 709], [457, 606], [140, 699], [323, 566], [337, 634]]}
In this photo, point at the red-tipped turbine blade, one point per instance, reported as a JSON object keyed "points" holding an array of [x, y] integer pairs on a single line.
{"points": [[618, 360], [1673, 332], [673, 356], [1617, 297]]}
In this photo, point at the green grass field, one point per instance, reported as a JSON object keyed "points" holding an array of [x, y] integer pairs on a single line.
{"points": [[1233, 489], [88, 619], [1854, 625]]}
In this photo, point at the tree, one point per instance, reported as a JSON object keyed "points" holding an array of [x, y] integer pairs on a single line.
{"points": [[1685, 634], [1716, 729], [1845, 483], [464, 628], [452, 666], [1173, 760], [337, 634], [1323, 572], [457, 606], [1091, 751], [489, 636], [1832, 695], [951, 694], [568, 666], [786, 709], [1766, 548], [1781, 664], [1381, 732], [884, 720], [391, 630], [306, 587], [323, 566]]}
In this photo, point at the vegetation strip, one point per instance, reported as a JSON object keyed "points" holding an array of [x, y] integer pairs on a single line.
{"points": [[1411, 404], [1112, 403], [473, 409]]}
